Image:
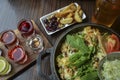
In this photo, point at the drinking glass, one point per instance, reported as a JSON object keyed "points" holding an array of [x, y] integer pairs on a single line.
{"points": [[9, 38], [18, 54], [35, 43], [26, 28], [106, 12]]}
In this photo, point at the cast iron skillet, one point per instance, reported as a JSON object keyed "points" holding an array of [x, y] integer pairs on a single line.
{"points": [[55, 50]]}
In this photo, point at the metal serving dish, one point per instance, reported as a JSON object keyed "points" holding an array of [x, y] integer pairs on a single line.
{"points": [[52, 13]]}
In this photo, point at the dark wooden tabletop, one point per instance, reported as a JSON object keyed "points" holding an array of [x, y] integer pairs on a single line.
{"points": [[12, 11]]}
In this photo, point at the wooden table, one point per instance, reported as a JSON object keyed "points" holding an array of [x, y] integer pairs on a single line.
{"points": [[12, 11]]}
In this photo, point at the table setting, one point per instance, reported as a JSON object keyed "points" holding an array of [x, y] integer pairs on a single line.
{"points": [[59, 40]]}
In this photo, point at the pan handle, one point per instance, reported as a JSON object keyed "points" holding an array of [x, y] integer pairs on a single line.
{"points": [[42, 54]]}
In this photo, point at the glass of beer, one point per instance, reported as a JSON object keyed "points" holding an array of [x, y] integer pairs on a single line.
{"points": [[106, 12]]}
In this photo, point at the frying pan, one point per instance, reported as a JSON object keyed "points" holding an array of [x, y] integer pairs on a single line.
{"points": [[55, 50]]}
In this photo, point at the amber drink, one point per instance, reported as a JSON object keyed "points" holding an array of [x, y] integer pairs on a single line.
{"points": [[106, 12]]}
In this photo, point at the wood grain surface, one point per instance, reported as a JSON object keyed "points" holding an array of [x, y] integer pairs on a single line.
{"points": [[12, 11]]}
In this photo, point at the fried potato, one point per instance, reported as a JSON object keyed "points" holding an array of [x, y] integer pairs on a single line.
{"points": [[66, 20], [72, 6], [77, 17], [63, 14], [69, 9], [69, 15], [78, 8], [81, 13]]}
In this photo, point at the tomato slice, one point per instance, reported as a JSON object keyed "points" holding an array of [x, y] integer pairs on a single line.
{"points": [[113, 44], [117, 45]]}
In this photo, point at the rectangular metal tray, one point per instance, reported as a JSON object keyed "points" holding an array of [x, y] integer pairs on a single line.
{"points": [[48, 15]]}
